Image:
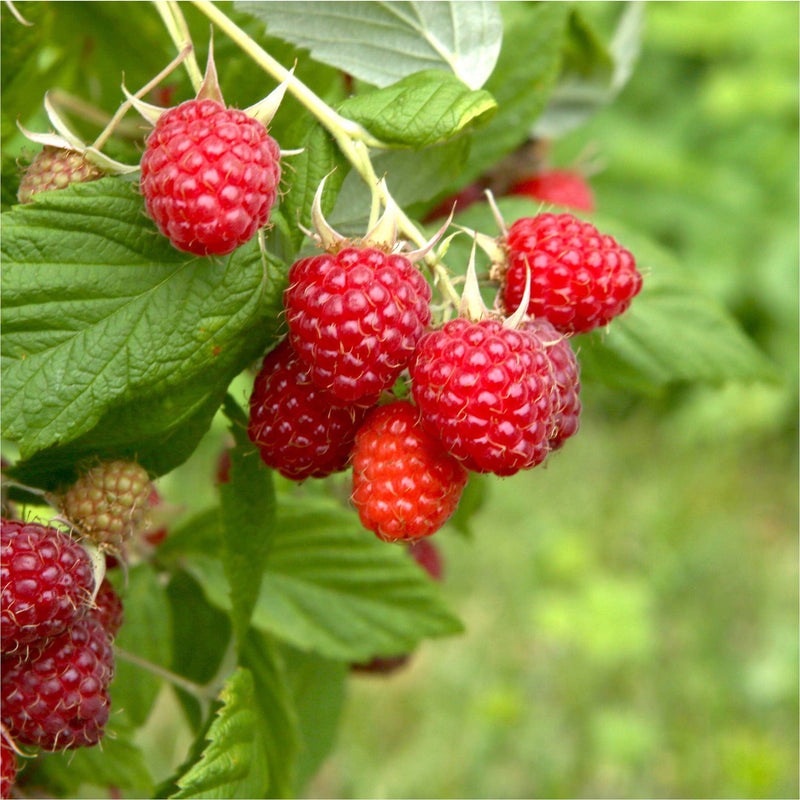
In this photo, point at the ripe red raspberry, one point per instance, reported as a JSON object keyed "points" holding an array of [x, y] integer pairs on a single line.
{"points": [[47, 581], [427, 555], [405, 486], [8, 768], [382, 665], [55, 168], [560, 187], [58, 698], [580, 279], [107, 609], [293, 423], [109, 501], [565, 378], [484, 391], [355, 318], [210, 176]]}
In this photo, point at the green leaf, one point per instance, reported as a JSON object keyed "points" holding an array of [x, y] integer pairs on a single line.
{"points": [[420, 110], [593, 73], [381, 42], [195, 657], [320, 158], [146, 633], [274, 702], [247, 514], [232, 765], [671, 333], [318, 686], [111, 334], [332, 587], [523, 80]]}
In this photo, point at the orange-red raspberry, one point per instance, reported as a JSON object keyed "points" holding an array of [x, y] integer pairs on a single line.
{"points": [[405, 485]]}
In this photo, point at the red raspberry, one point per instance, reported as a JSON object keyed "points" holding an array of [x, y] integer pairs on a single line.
{"points": [[580, 279], [565, 376], [484, 391], [427, 555], [405, 486], [109, 501], [293, 423], [107, 609], [210, 176], [560, 187], [55, 168], [58, 698], [47, 581], [355, 318], [469, 195], [8, 768], [382, 665]]}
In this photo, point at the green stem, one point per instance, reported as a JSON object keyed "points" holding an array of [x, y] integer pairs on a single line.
{"points": [[202, 693], [175, 23]]}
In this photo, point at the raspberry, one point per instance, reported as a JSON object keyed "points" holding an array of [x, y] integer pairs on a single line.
{"points": [[47, 581], [108, 502], [484, 391], [209, 176], [427, 555], [469, 195], [58, 698], [580, 279], [382, 665], [405, 486], [355, 318], [557, 186], [107, 609], [293, 423], [8, 768], [565, 379], [55, 168]]}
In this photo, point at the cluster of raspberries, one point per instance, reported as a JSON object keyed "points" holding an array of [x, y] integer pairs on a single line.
{"points": [[59, 616], [485, 395]]}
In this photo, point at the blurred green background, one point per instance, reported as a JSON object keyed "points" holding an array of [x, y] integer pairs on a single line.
{"points": [[632, 609]]}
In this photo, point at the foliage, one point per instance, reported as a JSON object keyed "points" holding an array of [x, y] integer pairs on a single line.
{"points": [[115, 344]]}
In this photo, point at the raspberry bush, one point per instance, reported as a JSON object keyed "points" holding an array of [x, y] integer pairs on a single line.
{"points": [[256, 276]]}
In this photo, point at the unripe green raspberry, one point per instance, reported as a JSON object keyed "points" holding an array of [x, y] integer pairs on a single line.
{"points": [[108, 502], [56, 168]]}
